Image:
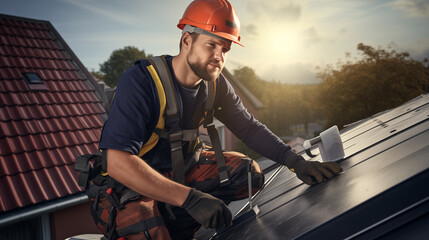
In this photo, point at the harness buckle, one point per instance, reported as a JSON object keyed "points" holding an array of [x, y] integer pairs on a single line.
{"points": [[175, 139], [175, 136]]}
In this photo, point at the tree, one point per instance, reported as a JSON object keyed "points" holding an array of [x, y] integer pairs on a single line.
{"points": [[285, 104], [248, 78], [97, 75], [381, 80], [119, 61]]}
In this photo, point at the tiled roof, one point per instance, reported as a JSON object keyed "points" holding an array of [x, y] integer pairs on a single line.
{"points": [[42, 127]]}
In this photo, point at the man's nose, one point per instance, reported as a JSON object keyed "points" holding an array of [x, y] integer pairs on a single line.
{"points": [[219, 55]]}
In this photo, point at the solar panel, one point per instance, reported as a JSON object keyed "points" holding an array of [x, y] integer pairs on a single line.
{"points": [[382, 191]]}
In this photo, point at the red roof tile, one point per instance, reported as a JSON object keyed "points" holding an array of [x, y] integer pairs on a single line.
{"points": [[42, 130]]}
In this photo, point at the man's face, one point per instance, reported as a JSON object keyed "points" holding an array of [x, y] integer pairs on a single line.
{"points": [[207, 56]]}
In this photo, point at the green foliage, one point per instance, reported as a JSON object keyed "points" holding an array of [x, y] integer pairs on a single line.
{"points": [[285, 104], [119, 61], [98, 75], [248, 77], [381, 80]]}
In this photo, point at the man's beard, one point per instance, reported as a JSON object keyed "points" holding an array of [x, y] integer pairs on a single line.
{"points": [[200, 69]]}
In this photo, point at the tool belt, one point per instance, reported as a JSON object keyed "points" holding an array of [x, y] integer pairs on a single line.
{"points": [[107, 196]]}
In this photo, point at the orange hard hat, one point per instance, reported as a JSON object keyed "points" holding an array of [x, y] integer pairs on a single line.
{"points": [[214, 16]]}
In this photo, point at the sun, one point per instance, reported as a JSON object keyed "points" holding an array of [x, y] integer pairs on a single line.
{"points": [[282, 43]]}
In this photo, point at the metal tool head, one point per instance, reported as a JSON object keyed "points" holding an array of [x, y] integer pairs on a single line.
{"points": [[329, 143]]}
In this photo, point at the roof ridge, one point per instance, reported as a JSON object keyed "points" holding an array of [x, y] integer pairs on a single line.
{"points": [[6, 17]]}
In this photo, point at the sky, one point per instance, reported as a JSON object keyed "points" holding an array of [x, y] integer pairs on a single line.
{"points": [[285, 40]]}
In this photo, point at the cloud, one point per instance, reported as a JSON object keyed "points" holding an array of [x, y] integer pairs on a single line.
{"points": [[250, 30], [423, 55], [275, 10], [310, 36], [108, 11], [289, 13], [420, 53], [418, 49], [413, 8]]}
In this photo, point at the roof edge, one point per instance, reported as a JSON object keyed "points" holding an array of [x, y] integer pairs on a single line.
{"points": [[13, 17], [25, 213]]}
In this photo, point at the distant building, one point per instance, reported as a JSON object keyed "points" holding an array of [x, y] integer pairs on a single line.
{"points": [[308, 130]]}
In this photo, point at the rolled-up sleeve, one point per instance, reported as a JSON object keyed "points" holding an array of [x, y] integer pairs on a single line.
{"points": [[133, 113]]}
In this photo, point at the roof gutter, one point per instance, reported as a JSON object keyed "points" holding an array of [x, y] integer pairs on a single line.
{"points": [[25, 213]]}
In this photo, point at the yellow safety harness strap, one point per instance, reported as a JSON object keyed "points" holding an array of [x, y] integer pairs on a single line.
{"points": [[172, 119], [153, 140]]}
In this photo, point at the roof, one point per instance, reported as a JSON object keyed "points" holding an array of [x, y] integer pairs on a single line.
{"points": [[43, 127], [382, 191]]}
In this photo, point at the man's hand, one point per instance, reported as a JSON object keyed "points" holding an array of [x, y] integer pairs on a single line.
{"points": [[211, 212], [312, 172]]}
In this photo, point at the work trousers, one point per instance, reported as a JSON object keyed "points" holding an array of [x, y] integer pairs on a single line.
{"points": [[177, 223]]}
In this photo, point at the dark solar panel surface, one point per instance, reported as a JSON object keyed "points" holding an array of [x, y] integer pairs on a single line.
{"points": [[383, 185]]}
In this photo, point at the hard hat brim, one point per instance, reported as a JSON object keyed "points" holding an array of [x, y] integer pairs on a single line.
{"points": [[220, 35]]}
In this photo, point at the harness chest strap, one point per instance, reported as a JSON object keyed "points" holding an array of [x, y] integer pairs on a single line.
{"points": [[214, 135], [172, 119]]}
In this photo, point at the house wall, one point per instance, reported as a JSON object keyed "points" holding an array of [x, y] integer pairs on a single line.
{"points": [[72, 221]]}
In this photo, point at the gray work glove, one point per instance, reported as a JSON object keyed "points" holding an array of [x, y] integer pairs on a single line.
{"points": [[310, 171], [211, 212]]}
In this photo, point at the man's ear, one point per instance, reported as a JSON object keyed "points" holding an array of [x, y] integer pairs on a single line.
{"points": [[186, 40]]}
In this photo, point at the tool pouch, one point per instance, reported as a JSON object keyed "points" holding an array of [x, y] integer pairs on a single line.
{"points": [[116, 210], [127, 214]]}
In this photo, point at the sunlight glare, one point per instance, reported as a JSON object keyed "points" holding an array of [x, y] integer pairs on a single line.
{"points": [[282, 44]]}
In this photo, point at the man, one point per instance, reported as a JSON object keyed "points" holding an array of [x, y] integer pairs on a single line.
{"points": [[209, 29]]}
